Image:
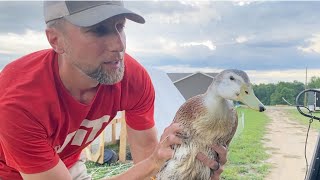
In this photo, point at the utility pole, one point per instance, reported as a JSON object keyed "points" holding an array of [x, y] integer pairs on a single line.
{"points": [[305, 87]]}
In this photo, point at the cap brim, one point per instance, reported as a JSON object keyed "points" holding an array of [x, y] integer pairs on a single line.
{"points": [[92, 16]]}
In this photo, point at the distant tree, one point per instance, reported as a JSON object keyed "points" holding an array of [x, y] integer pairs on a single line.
{"points": [[286, 90], [272, 94], [263, 92], [280, 93], [314, 83]]}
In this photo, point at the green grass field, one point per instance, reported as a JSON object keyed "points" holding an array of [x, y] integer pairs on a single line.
{"points": [[304, 120], [100, 171], [246, 156]]}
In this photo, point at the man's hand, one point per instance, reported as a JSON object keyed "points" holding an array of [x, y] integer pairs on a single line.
{"points": [[163, 150], [216, 165]]}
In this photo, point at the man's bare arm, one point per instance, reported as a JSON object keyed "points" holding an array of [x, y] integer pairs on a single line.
{"points": [[142, 143], [58, 172]]}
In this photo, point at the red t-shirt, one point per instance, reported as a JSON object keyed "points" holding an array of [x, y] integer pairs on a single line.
{"points": [[41, 122]]}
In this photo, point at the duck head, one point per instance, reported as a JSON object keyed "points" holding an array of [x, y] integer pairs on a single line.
{"points": [[235, 85]]}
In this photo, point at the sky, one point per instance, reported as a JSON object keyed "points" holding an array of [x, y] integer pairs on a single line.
{"points": [[272, 41]]}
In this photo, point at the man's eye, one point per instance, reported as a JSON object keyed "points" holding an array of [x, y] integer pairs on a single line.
{"points": [[100, 30]]}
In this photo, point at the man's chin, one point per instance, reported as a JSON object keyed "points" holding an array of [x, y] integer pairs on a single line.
{"points": [[111, 80]]}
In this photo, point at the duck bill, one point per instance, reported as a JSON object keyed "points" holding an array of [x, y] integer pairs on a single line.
{"points": [[251, 100]]}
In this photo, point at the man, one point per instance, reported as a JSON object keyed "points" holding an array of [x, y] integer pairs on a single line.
{"points": [[55, 102]]}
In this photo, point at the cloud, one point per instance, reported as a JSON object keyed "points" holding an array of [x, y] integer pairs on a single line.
{"points": [[165, 46], [183, 68], [207, 44], [185, 12], [19, 44], [17, 16], [156, 45], [313, 45], [242, 3], [219, 34], [275, 76], [241, 39], [256, 77]]}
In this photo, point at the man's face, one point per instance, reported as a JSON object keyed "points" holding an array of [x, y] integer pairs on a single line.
{"points": [[97, 51]]}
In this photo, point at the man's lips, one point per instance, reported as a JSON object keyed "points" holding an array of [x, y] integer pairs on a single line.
{"points": [[112, 64]]}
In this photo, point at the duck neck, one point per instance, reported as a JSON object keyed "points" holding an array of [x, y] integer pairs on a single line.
{"points": [[214, 101], [216, 119]]}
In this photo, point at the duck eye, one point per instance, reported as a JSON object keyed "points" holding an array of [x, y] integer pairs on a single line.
{"points": [[231, 78], [246, 92]]}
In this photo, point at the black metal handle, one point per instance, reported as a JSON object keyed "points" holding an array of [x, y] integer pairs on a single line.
{"points": [[298, 106]]}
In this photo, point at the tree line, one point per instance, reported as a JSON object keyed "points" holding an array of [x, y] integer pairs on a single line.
{"points": [[273, 94]]}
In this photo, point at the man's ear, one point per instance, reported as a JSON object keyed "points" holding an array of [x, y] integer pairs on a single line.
{"points": [[55, 39]]}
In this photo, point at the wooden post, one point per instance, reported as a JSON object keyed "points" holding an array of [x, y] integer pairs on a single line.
{"points": [[101, 148], [114, 131], [99, 155], [123, 139]]}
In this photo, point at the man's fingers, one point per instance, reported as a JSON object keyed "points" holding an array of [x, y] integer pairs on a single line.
{"points": [[216, 166], [172, 129], [169, 137], [212, 164], [216, 174], [165, 153], [164, 149], [222, 152], [170, 140]]}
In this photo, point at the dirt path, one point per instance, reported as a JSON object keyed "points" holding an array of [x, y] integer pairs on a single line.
{"points": [[285, 141]]}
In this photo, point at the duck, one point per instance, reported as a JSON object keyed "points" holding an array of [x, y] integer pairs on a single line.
{"points": [[208, 119]]}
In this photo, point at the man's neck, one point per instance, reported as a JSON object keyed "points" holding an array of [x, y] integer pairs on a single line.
{"points": [[79, 85]]}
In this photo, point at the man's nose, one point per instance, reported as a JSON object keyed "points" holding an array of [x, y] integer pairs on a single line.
{"points": [[118, 42]]}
